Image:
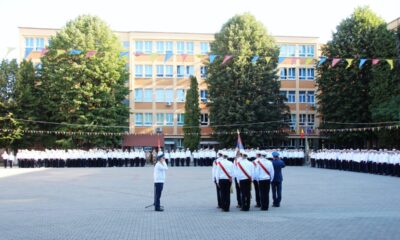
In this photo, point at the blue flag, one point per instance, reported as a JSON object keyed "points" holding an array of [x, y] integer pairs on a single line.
{"points": [[281, 59], [239, 144], [254, 59], [212, 57], [168, 55], [362, 61], [75, 52], [321, 61], [121, 54]]}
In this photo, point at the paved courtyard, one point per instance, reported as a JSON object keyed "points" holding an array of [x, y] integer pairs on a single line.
{"points": [[109, 204]]}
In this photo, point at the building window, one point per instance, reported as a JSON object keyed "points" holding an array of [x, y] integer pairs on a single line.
{"points": [[139, 46], [311, 120], [310, 51], [160, 47], [180, 47], [148, 119], [204, 119], [310, 97], [169, 117], [148, 95], [149, 71], [302, 119], [189, 71], [292, 97], [169, 95], [292, 123], [139, 71], [284, 95], [291, 73], [287, 51], [204, 48], [180, 71], [180, 119], [160, 95], [139, 119], [169, 71], [203, 71], [302, 73], [148, 47], [125, 44], [204, 96], [138, 95], [190, 48], [302, 96], [310, 73], [39, 44], [160, 119], [180, 95], [29, 44], [160, 70], [169, 46], [283, 75], [306, 51]]}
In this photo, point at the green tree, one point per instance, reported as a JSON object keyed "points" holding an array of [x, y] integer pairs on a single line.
{"points": [[240, 91], [77, 89], [353, 94], [191, 127]]}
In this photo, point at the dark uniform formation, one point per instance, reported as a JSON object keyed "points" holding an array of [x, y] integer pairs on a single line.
{"points": [[80, 158], [383, 162]]}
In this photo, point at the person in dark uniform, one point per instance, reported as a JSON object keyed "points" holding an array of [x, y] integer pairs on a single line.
{"points": [[276, 183]]}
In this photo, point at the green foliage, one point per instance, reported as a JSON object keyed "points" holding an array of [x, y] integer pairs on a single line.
{"points": [[353, 94], [191, 127], [84, 90], [240, 91]]}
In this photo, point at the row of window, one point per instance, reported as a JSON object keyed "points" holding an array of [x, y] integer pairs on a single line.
{"points": [[304, 119], [33, 44], [165, 95], [304, 96], [303, 74], [162, 71], [166, 119], [161, 47], [297, 51]]}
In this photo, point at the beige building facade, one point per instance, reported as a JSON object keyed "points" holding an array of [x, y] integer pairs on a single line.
{"points": [[160, 64]]}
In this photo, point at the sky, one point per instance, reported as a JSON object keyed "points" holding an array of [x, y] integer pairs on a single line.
{"points": [[316, 18]]}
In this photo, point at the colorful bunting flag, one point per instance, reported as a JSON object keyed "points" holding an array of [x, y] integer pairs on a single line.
{"points": [[44, 51], [349, 62], [75, 52], [293, 60], [168, 55], [281, 59], [254, 59], [309, 61], [60, 51], [91, 53], [390, 62], [375, 61], [226, 59], [137, 54], [123, 54], [184, 56], [212, 58], [27, 52], [362, 61], [9, 50], [335, 61], [153, 57], [267, 59], [321, 61]]}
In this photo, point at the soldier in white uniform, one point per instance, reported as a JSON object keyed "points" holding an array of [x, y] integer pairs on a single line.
{"points": [[244, 173], [264, 172], [223, 174], [159, 179], [214, 178]]}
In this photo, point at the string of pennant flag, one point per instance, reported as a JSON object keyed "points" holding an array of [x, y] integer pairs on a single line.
{"points": [[332, 61]]}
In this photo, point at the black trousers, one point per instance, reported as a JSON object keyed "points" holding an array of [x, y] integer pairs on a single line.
{"points": [[218, 194], [172, 162], [225, 187], [182, 162], [256, 190], [187, 161], [276, 192], [5, 163], [195, 161], [177, 162], [158, 187], [245, 191], [238, 194], [264, 186]]}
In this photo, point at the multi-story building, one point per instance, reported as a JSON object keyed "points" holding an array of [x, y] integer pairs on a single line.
{"points": [[393, 25], [160, 65]]}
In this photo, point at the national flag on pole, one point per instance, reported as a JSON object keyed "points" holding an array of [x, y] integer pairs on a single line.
{"points": [[239, 144], [226, 59], [302, 133]]}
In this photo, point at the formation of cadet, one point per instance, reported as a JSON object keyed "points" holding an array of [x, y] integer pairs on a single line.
{"points": [[54, 158], [243, 170], [8, 159], [384, 162], [202, 157]]}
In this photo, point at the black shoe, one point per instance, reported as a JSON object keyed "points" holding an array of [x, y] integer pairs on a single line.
{"points": [[264, 209], [274, 205], [257, 206], [238, 206], [159, 210]]}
